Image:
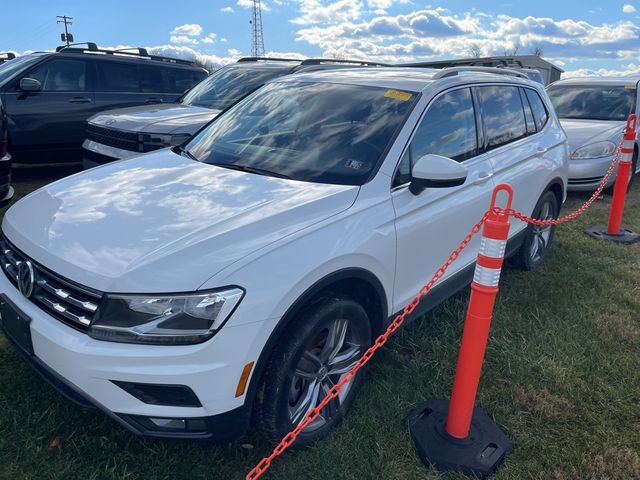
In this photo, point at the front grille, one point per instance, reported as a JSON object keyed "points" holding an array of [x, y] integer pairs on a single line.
{"points": [[68, 302], [585, 181], [133, 142], [114, 138]]}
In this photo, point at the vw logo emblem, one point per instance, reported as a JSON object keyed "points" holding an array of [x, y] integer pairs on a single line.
{"points": [[26, 278]]}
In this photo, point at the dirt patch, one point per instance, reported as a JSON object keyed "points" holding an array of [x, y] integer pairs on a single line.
{"points": [[621, 326], [542, 402], [620, 463]]}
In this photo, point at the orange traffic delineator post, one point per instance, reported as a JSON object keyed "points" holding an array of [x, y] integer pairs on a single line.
{"points": [[613, 231], [456, 435]]}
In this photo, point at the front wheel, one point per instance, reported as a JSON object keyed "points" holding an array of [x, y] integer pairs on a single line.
{"points": [[537, 241], [323, 345]]}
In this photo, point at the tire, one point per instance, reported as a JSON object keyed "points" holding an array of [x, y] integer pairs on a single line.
{"points": [[537, 241], [299, 370]]}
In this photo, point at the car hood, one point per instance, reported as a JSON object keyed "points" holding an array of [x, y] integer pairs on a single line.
{"points": [[583, 132], [161, 222], [173, 118]]}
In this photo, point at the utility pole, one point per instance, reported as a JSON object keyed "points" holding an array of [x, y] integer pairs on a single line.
{"points": [[66, 36], [257, 36]]}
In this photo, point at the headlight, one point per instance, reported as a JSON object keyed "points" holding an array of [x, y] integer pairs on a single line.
{"points": [[164, 319], [594, 150], [156, 140]]}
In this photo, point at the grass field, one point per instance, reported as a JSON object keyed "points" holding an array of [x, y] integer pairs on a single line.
{"points": [[562, 377]]}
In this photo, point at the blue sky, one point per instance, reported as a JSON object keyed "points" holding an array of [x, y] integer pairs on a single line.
{"points": [[585, 36]]}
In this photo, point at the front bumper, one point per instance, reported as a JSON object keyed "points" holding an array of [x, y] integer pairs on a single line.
{"points": [[586, 175], [94, 154], [84, 370]]}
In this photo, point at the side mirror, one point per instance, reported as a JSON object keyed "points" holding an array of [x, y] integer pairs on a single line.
{"points": [[436, 171], [30, 85]]}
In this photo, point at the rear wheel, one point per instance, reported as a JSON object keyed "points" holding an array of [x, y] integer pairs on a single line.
{"points": [[538, 239], [325, 343]]}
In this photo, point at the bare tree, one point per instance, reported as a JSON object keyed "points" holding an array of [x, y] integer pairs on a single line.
{"points": [[537, 50], [475, 50], [512, 52]]}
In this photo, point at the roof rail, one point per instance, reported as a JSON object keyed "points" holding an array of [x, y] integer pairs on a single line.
{"points": [[92, 47], [141, 51], [132, 51], [268, 59], [7, 55], [451, 71], [318, 61]]}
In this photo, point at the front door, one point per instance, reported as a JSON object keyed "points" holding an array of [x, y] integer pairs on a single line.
{"points": [[49, 125], [430, 225]]}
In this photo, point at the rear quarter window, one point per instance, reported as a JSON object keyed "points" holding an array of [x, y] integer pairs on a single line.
{"points": [[180, 80], [540, 114]]}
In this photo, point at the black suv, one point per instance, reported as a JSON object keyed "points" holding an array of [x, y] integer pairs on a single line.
{"points": [[6, 56], [6, 190], [49, 96]]}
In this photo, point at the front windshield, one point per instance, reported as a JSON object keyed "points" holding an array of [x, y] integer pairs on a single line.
{"points": [[12, 67], [227, 85], [593, 103], [315, 132]]}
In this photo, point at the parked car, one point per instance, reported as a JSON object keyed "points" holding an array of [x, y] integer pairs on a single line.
{"points": [[593, 112], [244, 272], [6, 56], [126, 132], [49, 96], [6, 190]]}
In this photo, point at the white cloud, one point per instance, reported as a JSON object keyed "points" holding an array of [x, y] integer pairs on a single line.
{"points": [[183, 39], [630, 69], [223, 40], [249, 4], [191, 29], [211, 38], [629, 8], [227, 10], [234, 52], [316, 11]]}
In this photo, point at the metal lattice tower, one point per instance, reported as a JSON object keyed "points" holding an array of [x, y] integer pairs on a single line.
{"points": [[257, 36]]}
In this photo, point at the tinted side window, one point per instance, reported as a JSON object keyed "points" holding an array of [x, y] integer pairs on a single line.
{"points": [[180, 80], [151, 79], [528, 115], [117, 77], [62, 75], [540, 113], [448, 129], [503, 115]]}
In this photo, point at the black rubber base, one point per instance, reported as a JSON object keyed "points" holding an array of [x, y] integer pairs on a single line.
{"points": [[626, 237], [480, 454]]}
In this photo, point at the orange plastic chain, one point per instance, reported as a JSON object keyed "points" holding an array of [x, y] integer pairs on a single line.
{"points": [[290, 438]]}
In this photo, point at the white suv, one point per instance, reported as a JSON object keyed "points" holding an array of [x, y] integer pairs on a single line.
{"points": [[184, 291]]}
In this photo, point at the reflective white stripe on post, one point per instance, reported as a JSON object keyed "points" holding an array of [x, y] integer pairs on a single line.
{"points": [[490, 247], [626, 151], [488, 277]]}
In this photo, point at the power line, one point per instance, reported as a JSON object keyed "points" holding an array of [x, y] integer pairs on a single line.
{"points": [[257, 35], [66, 36]]}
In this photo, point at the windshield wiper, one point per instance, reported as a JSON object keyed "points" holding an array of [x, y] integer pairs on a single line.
{"points": [[248, 169], [184, 152]]}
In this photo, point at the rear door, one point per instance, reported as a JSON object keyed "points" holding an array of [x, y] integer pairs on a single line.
{"points": [[118, 84], [430, 225], [48, 126], [512, 117]]}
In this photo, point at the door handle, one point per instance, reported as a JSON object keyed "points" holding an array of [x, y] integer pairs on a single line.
{"points": [[542, 150], [154, 100], [80, 100], [483, 177]]}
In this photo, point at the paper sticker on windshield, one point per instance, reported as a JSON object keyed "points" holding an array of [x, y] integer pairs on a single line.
{"points": [[354, 164], [398, 95], [629, 87]]}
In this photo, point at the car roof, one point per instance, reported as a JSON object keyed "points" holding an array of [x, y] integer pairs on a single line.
{"points": [[621, 81], [414, 79]]}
